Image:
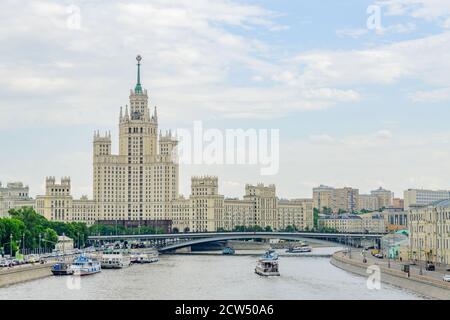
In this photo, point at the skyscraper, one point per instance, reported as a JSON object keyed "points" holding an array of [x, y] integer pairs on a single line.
{"points": [[140, 182]]}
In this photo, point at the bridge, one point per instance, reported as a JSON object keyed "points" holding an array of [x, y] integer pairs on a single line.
{"points": [[174, 241]]}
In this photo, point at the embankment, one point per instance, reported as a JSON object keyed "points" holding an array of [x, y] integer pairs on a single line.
{"points": [[24, 273], [422, 285]]}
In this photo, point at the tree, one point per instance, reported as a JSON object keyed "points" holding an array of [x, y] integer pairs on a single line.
{"points": [[11, 227], [291, 229]]}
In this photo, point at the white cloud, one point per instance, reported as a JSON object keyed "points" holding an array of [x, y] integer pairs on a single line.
{"points": [[431, 96], [423, 9], [352, 33]]}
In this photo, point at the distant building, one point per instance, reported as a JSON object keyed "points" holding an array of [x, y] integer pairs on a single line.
{"points": [[323, 197], [337, 199], [423, 197], [351, 223], [398, 203], [368, 202], [64, 244], [385, 197], [15, 195]]}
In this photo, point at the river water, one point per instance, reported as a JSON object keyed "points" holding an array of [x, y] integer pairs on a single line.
{"points": [[210, 277]]}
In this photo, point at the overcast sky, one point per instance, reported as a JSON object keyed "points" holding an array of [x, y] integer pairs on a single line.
{"points": [[356, 105]]}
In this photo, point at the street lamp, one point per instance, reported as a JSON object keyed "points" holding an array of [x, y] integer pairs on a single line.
{"points": [[40, 238]]}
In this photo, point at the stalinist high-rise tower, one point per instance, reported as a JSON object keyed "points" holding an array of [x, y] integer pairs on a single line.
{"points": [[141, 181]]}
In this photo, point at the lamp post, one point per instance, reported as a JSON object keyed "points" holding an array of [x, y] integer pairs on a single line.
{"points": [[10, 245], [23, 242], [40, 238]]}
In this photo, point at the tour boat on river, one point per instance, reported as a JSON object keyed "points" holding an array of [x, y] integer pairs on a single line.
{"points": [[267, 267], [83, 266]]}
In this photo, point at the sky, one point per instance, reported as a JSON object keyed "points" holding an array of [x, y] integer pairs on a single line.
{"points": [[359, 90]]}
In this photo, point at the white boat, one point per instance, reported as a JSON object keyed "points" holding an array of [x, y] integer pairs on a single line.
{"points": [[301, 249], [267, 267], [145, 257], [83, 266], [115, 259]]}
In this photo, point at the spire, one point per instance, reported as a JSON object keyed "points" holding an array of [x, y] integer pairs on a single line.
{"points": [[121, 114], [155, 115], [126, 113], [138, 88]]}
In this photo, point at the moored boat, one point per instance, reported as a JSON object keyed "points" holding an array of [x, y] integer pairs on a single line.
{"points": [[145, 257], [301, 249], [61, 269], [228, 251], [83, 266], [115, 259], [270, 255]]}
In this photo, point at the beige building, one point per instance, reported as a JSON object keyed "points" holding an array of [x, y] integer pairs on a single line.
{"points": [[368, 202], [337, 199], [58, 204], [429, 231], [207, 210], [385, 197], [141, 183], [324, 197], [296, 213], [414, 197], [350, 223], [398, 203], [15, 195]]}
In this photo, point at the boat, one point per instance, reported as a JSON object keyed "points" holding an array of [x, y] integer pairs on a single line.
{"points": [[228, 251], [300, 249], [62, 269], [270, 255], [115, 259], [267, 268], [83, 266], [145, 257]]}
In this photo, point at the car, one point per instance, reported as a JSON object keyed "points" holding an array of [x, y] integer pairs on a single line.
{"points": [[446, 278], [430, 267], [379, 256], [4, 263]]}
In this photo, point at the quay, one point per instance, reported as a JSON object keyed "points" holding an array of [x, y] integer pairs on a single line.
{"points": [[18, 274], [429, 284]]}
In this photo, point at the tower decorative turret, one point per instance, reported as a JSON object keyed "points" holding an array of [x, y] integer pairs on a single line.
{"points": [[138, 88]]}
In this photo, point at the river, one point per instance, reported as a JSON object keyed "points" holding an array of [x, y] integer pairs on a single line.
{"points": [[210, 277]]}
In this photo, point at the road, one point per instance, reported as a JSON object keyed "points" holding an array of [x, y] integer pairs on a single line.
{"points": [[397, 265]]}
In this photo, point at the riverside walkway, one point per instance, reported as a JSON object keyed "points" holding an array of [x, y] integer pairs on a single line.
{"points": [[426, 283]]}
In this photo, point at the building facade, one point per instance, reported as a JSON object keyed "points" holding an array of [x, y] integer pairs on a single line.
{"points": [[368, 202], [414, 197], [429, 231], [139, 185], [13, 196], [351, 223], [206, 210], [385, 197], [337, 199]]}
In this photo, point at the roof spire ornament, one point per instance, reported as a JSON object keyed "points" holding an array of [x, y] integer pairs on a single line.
{"points": [[138, 88]]}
